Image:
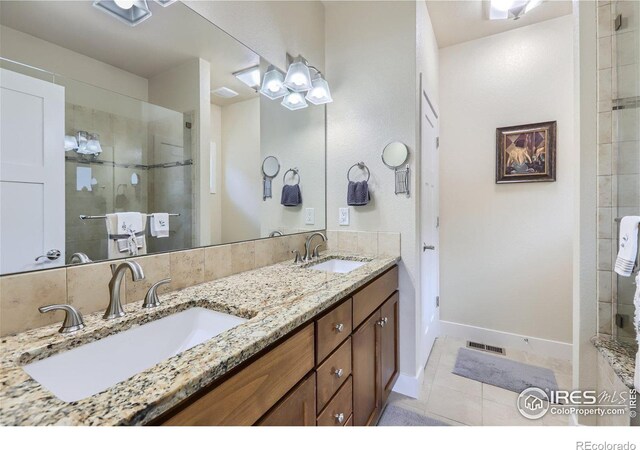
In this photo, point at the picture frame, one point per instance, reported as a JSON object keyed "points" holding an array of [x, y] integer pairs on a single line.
{"points": [[526, 153]]}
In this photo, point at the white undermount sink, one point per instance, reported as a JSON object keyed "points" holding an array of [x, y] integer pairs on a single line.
{"points": [[91, 368], [337, 265]]}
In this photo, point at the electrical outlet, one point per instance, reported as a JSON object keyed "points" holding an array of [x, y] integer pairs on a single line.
{"points": [[343, 216], [309, 216]]}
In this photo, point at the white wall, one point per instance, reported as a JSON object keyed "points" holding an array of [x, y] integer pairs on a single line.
{"points": [[371, 51], [216, 199], [241, 193], [30, 50], [506, 250]]}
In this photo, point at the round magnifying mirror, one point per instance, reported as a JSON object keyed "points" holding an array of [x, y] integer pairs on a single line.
{"points": [[270, 166], [395, 154]]}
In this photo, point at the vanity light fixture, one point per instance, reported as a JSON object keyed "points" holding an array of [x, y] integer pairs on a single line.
{"points": [[294, 101], [165, 3], [93, 145], [319, 94], [511, 9], [298, 77], [250, 76], [131, 12], [273, 84]]}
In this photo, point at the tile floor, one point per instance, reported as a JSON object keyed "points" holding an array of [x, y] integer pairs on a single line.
{"points": [[461, 401]]}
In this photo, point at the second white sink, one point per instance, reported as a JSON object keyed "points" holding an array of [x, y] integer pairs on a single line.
{"points": [[94, 367], [338, 266]]}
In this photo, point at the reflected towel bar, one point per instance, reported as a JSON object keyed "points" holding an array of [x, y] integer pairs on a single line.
{"points": [[83, 217]]}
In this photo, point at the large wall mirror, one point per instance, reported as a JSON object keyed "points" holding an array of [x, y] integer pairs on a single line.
{"points": [[100, 119]]}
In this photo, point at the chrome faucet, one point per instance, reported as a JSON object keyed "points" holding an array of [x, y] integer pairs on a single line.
{"points": [[114, 310], [72, 319], [79, 258], [307, 246]]}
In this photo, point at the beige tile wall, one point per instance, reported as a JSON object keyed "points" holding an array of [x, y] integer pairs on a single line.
{"points": [[369, 243], [86, 286], [609, 382]]}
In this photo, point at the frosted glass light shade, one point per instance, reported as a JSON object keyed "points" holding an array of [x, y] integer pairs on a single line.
{"points": [[273, 84], [319, 94], [93, 145], [293, 101], [298, 77], [138, 11]]}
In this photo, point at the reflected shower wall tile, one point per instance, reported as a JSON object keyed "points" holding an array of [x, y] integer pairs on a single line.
{"points": [[604, 254], [626, 48], [626, 125], [155, 268], [604, 286], [604, 85], [604, 52], [627, 157], [604, 21], [187, 268], [604, 128], [604, 191], [604, 159], [628, 190], [605, 221], [22, 295], [604, 318], [626, 81]]}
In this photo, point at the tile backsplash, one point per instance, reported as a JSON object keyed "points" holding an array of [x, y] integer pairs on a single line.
{"points": [[86, 286]]}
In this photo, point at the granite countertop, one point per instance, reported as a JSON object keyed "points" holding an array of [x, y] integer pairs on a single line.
{"points": [[276, 299], [620, 355]]}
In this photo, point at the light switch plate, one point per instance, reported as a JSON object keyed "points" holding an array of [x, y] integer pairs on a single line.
{"points": [[309, 216], [343, 216]]}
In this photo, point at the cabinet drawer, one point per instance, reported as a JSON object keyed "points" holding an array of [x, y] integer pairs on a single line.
{"points": [[246, 396], [333, 372], [349, 422], [332, 329], [298, 408], [371, 297], [339, 408]]}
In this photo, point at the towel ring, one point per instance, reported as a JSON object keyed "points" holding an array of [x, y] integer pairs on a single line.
{"points": [[295, 172], [362, 166]]}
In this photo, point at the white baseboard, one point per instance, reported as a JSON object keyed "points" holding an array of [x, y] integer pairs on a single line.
{"points": [[542, 347], [409, 385]]}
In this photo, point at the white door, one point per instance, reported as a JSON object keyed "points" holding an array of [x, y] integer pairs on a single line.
{"points": [[31, 172], [429, 212]]}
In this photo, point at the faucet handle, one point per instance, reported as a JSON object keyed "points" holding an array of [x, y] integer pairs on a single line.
{"points": [[316, 252], [151, 300], [72, 320], [298, 258]]}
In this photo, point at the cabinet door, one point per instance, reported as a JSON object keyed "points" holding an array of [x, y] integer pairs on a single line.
{"points": [[296, 409], [389, 345], [365, 372]]}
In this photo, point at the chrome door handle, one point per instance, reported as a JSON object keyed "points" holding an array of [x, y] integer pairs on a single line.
{"points": [[51, 255], [338, 373], [339, 417], [427, 247], [381, 323], [339, 327]]}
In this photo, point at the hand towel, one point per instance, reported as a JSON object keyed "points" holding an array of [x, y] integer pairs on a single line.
{"points": [[291, 195], [129, 243], [358, 193], [636, 303], [627, 245], [160, 225]]}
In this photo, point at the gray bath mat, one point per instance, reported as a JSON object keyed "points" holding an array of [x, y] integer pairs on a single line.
{"points": [[503, 373], [394, 416]]}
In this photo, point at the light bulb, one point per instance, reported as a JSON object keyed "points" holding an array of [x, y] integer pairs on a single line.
{"points": [[318, 93], [294, 99], [274, 86], [298, 79], [125, 4], [502, 5]]}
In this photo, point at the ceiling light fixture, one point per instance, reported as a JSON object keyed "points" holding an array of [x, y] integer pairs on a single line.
{"points": [[511, 9], [273, 84], [294, 101], [131, 12], [250, 76], [298, 77]]}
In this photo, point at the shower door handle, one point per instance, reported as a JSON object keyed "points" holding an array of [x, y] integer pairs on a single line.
{"points": [[51, 255]]}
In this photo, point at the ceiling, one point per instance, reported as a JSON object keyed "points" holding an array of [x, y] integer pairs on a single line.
{"points": [[459, 21], [170, 37]]}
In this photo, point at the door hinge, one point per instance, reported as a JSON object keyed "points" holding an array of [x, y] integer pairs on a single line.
{"points": [[437, 301], [438, 222], [438, 142]]}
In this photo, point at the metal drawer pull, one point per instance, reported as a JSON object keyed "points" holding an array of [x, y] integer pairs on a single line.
{"points": [[382, 322], [339, 418], [339, 327], [338, 373]]}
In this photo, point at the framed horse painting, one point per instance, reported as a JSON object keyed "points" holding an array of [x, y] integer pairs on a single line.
{"points": [[526, 153]]}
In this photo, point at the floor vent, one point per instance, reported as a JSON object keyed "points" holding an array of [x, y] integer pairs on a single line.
{"points": [[486, 348]]}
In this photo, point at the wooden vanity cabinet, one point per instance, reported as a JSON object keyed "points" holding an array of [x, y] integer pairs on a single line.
{"points": [[337, 370]]}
